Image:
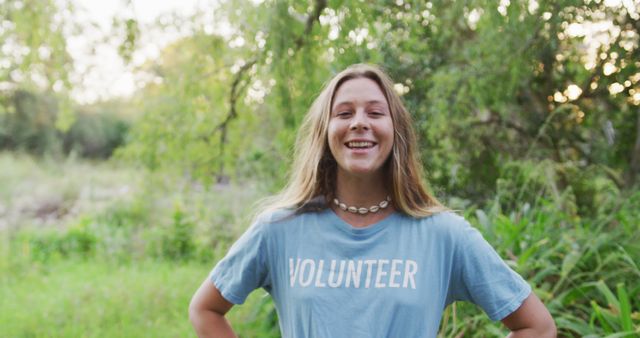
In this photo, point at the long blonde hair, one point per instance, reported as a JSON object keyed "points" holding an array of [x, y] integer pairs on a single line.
{"points": [[314, 168]]}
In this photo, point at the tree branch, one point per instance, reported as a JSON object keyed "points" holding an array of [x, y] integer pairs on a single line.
{"points": [[497, 119], [237, 87], [314, 16], [634, 161]]}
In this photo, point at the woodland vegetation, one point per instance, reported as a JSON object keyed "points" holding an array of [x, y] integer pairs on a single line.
{"points": [[528, 115]]}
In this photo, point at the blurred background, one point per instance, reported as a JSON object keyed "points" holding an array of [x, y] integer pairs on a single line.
{"points": [[136, 136]]}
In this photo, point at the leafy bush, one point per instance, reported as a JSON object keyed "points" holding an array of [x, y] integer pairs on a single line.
{"points": [[30, 124], [95, 135], [77, 241], [586, 191], [571, 262], [177, 242], [130, 213]]}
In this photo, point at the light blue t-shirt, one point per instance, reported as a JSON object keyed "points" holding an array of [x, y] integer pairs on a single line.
{"points": [[391, 279]]}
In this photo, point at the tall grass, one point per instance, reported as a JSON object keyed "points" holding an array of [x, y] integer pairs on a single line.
{"points": [[124, 262], [585, 269], [94, 298]]}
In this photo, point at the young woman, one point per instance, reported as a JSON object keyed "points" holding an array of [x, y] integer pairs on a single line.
{"points": [[355, 246]]}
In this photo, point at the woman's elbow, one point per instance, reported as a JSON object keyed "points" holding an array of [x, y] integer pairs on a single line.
{"points": [[194, 312], [531, 319], [549, 330]]}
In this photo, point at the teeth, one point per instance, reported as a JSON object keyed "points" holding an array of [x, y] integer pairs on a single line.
{"points": [[360, 144]]}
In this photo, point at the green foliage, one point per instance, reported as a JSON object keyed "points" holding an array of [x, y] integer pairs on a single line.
{"points": [[187, 124], [160, 240], [77, 298], [95, 135], [76, 241], [585, 191], [30, 125], [177, 243], [86, 298], [571, 264], [616, 317], [548, 177], [34, 54], [583, 266], [486, 83], [129, 29], [128, 214]]}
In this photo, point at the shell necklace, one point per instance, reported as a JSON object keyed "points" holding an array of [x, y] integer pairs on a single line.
{"points": [[363, 210]]}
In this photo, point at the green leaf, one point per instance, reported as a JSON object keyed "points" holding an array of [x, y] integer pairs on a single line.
{"points": [[608, 294], [623, 334], [625, 308], [569, 262], [598, 313]]}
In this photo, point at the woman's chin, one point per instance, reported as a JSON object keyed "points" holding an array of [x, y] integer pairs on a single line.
{"points": [[361, 171]]}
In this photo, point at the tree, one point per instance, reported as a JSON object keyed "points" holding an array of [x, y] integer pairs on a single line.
{"points": [[487, 83], [188, 106], [33, 54]]}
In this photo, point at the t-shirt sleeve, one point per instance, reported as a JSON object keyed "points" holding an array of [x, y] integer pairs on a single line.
{"points": [[483, 278], [244, 268]]}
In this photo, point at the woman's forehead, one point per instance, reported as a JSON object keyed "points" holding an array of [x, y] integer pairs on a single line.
{"points": [[359, 91]]}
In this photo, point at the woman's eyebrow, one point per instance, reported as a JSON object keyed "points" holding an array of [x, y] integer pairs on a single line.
{"points": [[346, 104], [350, 103], [371, 102]]}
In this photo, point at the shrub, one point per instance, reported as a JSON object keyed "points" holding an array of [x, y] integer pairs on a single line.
{"points": [[573, 263], [95, 135], [177, 242], [29, 124], [77, 241]]}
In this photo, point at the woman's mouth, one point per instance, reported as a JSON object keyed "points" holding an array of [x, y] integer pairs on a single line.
{"points": [[360, 144]]}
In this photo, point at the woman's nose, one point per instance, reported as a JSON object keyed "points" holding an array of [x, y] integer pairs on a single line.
{"points": [[359, 121]]}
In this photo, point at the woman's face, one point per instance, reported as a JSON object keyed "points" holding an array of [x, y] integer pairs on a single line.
{"points": [[360, 128]]}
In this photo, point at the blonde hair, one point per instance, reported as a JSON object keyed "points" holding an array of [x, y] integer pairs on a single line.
{"points": [[314, 168]]}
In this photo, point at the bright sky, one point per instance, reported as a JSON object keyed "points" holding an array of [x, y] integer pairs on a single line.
{"points": [[101, 73]]}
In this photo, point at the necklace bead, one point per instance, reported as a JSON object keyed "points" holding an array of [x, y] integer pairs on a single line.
{"points": [[363, 210]]}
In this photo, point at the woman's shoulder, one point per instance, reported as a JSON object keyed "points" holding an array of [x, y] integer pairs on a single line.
{"points": [[272, 216], [265, 223], [445, 221], [279, 215]]}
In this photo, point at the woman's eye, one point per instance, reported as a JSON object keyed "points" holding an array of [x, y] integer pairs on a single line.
{"points": [[343, 113]]}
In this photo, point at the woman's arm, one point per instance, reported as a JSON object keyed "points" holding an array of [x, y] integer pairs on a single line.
{"points": [[531, 319], [207, 310]]}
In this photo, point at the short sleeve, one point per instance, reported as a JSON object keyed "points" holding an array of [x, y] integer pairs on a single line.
{"points": [[483, 278], [244, 268]]}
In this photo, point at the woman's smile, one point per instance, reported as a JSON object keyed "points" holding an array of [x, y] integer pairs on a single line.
{"points": [[360, 147]]}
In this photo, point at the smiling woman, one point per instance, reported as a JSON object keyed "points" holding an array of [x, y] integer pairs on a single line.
{"points": [[360, 130], [355, 245]]}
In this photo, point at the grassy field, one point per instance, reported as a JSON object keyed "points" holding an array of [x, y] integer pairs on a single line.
{"points": [[98, 250], [101, 250], [76, 298], [89, 298]]}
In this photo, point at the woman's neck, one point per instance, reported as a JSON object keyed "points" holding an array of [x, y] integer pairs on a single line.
{"points": [[360, 190]]}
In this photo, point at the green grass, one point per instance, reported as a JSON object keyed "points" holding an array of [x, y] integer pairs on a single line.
{"points": [[121, 259], [75, 298], [89, 298]]}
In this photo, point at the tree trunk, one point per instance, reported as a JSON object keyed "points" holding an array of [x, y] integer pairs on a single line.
{"points": [[634, 164]]}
